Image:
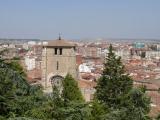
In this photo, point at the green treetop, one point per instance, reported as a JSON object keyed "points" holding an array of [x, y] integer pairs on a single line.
{"points": [[71, 91], [114, 84]]}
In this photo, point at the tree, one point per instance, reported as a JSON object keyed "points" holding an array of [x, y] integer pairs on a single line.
{"points": [[115, 90], [17, 97], [114, 83], [71, 91], [12, 85]]}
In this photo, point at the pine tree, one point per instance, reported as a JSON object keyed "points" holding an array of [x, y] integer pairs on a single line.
{"points": [[71, 91], [114, 83], [115, 90]]}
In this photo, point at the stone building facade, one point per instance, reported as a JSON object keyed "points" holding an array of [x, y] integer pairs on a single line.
{"points": [[58, 59]]}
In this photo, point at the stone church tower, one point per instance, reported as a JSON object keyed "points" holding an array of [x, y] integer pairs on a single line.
{"points": [[58, 59]]}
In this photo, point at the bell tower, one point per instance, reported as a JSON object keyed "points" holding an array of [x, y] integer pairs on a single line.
{"points": [[58, 59]]}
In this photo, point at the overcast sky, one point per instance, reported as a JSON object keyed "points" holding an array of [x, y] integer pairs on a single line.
{"points": [[45, 19]]}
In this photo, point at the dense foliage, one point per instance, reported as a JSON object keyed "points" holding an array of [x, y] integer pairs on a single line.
{"points": [[17, 97], [114, 83], [71, 91]]}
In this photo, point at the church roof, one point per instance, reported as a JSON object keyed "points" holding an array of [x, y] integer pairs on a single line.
{"points": [[60, 43]]}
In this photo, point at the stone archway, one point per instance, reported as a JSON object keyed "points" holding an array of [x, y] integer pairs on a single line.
{"points": [[56, 80]]}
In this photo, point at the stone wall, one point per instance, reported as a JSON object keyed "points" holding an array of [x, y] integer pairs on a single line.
{"points": [[66, 64]]}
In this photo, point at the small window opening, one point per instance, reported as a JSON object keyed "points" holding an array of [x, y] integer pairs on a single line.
{"points": [[55, 51], [60, 51]]}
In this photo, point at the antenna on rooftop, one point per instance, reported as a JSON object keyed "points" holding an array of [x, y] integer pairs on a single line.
{"points": [[59, 38]]}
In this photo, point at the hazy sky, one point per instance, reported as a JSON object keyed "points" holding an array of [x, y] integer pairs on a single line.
{"points": [[45, 19]]}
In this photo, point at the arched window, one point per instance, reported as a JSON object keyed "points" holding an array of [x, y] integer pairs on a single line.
{"points": [[57, 80]]}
